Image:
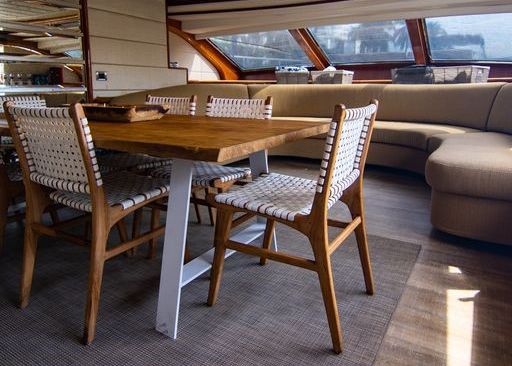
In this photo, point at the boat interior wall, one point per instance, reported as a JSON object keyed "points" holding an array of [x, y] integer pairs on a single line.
{"points": [[232, 17], [199, 68], [128, 41]]}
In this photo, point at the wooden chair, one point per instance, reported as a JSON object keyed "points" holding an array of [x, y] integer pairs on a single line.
{"points": [[303, 205], [214, 177], [58, 162]]}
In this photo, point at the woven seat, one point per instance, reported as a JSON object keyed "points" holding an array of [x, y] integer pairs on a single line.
{"points": [[303, 205], [115, 162], [276, 195], [123, 188], [206, 175]]}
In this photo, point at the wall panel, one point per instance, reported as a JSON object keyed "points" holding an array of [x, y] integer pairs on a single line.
{"points": [[128, 41], [198, 67]]}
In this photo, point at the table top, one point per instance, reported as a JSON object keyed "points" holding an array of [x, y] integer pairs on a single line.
{"points": [[198, 137], [201, 138]]}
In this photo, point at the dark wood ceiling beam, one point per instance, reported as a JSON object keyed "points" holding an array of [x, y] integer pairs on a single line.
{"points": [[418, 38], [226, 69], [310, 47]]}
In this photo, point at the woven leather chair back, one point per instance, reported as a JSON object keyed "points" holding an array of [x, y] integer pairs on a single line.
{"points": [[177, 105], [345, 150], [31, 101], [239, 108], [52, 144]]}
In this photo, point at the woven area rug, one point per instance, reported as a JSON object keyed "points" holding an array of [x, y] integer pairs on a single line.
{"points": [[266, 315]]}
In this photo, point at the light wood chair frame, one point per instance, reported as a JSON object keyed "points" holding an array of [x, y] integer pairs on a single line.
{"points": [[315, 227], [103, 218]]}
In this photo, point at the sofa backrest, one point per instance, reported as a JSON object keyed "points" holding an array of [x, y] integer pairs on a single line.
{"points": [[201, 90], [314, 100], [500, 119], [467, 105]]}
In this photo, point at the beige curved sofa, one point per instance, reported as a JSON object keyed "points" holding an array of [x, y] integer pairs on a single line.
{"points": [[459, 136]]}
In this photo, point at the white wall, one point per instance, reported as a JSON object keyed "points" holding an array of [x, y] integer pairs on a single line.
{"points": [[128, 41], [198, 67]]}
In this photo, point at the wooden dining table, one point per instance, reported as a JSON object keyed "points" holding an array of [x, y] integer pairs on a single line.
{"points": [[186, 139]]}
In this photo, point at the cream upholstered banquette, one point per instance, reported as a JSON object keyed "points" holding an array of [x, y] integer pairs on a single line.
{"points": [[459, 136]]}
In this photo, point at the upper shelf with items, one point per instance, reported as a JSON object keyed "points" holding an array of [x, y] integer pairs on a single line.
{"points": [[41, 46]]}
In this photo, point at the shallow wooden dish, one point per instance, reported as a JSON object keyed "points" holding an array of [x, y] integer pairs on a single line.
{"points": [[128, 113]]}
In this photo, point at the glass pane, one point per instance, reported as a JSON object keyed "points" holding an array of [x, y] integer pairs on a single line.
{"points": [[365, 42], [471, 37], [262, 49]]}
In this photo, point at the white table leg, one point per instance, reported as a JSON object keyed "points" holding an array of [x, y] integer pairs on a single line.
{"points": [[174, 274], [259, 165], [174, 248]]}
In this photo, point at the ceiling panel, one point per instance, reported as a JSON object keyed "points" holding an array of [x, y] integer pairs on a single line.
{"points": [[223, 18]]}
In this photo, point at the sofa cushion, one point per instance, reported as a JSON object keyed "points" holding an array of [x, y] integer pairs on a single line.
{"points": [[500, 119], [410, 134], [466, 105], [201, 90], [474, 164]]}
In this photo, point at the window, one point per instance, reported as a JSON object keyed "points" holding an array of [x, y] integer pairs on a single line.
{"points": [[262, 49], [74, 53], [486, 37], [365, 42]]}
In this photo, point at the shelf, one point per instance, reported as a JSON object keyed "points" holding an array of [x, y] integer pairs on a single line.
{"points": [[41, 89], [42, 59]]}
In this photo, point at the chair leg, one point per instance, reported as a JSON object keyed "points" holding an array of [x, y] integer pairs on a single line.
{"points": [[357, 209], [121, 229], [153, 243], [4, 208], [325, 276], [211, 210], [54, 215], [98, 245], [196, 207], [87, 229], [137, 222], [267, 238], [222, 229], [29, 258]]}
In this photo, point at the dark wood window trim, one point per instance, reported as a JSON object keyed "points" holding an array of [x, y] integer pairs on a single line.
{"points": [[226, 69], [310, 47]]}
